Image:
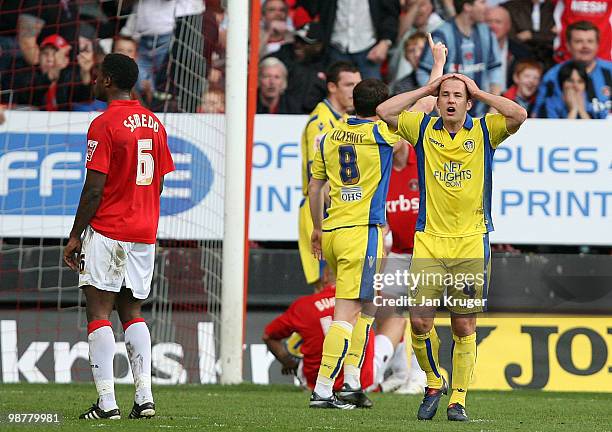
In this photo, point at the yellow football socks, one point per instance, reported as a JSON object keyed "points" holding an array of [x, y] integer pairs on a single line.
{"points": [[335, 349], [356, 354], [425, 347], [464, 360]]}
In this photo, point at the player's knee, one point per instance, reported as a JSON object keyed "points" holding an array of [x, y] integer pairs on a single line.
{"points": [[463, 326], [421, 325]]}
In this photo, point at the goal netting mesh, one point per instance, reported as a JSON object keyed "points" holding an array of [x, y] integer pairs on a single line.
{"points": [[42, 151]]}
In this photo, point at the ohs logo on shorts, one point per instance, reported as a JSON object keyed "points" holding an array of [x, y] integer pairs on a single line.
{"points": [[43, 173]]}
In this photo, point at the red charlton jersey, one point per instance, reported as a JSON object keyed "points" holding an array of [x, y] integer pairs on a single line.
{"points": [[311, 316], [403, 205], [128, 144], [599, 12]]}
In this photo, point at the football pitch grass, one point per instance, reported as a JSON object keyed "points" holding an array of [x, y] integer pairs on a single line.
{"points": [[281, 408]]}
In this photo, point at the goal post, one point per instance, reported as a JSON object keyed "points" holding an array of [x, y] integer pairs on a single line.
{"points": [[235, 223]]}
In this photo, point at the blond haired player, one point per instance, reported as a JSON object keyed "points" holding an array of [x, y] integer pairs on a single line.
{"points": [[454, 157]]}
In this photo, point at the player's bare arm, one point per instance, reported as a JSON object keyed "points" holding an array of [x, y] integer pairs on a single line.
{"points": [[390, 110], [91, 195], [400, 154], [514, 113], [277, 347], [439, 52], [315, 195]]}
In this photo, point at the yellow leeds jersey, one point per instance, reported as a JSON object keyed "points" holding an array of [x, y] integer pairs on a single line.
{"points": [[356, 157], [322, 119], [455, 174]]}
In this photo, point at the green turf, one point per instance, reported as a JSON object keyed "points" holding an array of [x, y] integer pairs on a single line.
{"points": [[281, 408]]}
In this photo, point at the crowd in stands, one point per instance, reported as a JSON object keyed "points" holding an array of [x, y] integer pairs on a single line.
{"points": [[550, 56], [50, 51]]}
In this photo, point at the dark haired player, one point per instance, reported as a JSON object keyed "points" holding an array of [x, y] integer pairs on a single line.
{"points": [[117, 217], [355, 157]]}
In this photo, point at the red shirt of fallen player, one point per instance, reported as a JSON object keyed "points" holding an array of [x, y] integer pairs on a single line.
{"points": [[129, 144], [311, 316], [403, 205]]}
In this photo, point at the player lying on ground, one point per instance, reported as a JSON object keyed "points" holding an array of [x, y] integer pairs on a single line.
{"points": [[305, 323], [356, 158], [454, 154], [296, 340], [341, 79], [127, 158]]}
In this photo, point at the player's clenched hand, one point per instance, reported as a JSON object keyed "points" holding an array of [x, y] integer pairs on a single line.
{"points": [[315, 241], [472, 87], [72, 252], [434, 86], [438, 50], [290, 366]]}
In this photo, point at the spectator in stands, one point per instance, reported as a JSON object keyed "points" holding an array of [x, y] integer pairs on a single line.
{"points": [[472, 50], [583, 43], [213, 101], [417, 16], [272, 85], [180, 82], [510, 50], [125, 45], [52, 85], [413, 48], [357, 31], [214, 33], [275, 28], [598, 12], [151, 24], [533, 24], [573, 102], [38, 19], [90, 58], [526, 77], [304, 61]]}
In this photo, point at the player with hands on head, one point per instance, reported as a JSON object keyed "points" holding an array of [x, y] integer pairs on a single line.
{"points": [[390, 321], [454, 157]]}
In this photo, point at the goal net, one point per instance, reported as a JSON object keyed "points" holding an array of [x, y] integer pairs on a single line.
{"points": [[42, 151]]}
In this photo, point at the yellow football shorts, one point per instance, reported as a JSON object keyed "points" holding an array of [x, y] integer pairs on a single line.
{"points": [[313, 268], [354, 254], [458, 267]]}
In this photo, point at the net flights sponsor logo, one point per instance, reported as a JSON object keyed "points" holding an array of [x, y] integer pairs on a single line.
{"points": [[43, 173], [452, 175]]}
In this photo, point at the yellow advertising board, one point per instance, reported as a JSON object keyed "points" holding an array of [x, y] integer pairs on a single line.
{"points": [[557, 353]]}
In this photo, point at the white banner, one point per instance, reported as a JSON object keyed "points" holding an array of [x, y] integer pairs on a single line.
{"points": [[42, 169], [552, 182]]}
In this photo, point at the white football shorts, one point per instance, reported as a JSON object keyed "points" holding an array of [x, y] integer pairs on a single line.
{"points": [[105, 263]]}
